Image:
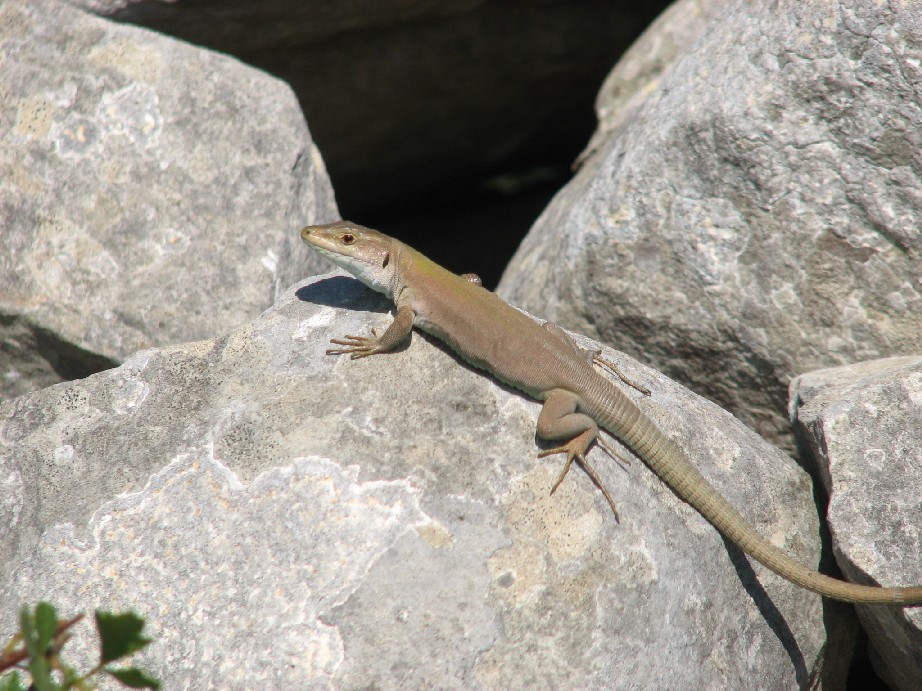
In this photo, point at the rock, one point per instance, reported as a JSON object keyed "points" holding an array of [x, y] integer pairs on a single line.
{"points": [[284, 518], [757, 216], [644, 64], [863, 425], [408, 95], [149, 193]]}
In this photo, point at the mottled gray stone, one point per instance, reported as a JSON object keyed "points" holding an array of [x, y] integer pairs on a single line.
{"points": [[863, 426], [285, 518], [758, 215], [149, 191]]}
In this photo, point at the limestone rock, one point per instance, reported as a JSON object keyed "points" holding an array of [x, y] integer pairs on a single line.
{"points": [[863, 426], [149, 192], [284, 518], [758, 215]]}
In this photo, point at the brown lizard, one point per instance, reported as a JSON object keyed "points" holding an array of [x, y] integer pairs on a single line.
{"points": [[542, 361]]}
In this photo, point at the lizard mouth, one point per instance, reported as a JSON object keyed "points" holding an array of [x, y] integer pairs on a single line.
{"points": [[315, 240]]}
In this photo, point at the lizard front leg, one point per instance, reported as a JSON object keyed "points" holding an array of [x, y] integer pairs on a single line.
{"points": [[363, 346], [559, 419]]}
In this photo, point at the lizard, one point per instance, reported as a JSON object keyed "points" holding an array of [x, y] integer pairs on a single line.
{"points": [[545, 363]]}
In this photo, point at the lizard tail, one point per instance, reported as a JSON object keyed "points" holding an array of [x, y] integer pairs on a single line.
{"points": [[625, 420]]}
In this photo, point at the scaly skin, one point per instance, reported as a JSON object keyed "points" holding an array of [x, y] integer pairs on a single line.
{"points": [[545, 363]]}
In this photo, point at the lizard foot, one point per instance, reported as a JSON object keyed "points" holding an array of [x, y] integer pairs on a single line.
{"points": [[572, 455], [357, 346]]}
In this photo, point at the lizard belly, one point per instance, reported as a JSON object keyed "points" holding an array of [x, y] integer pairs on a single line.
{"points": [[524, 363]]}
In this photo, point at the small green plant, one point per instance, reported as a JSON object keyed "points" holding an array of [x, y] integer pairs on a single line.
{"points": [[36, 649]]}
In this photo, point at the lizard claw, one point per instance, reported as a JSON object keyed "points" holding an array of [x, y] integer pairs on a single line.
{"points": [[566, 468]]}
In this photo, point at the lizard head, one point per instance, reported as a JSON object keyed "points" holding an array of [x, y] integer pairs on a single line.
{"points": [[365, 253]]}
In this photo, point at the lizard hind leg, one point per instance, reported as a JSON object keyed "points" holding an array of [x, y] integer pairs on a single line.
{"points": [[614, 369], [594, 357], [559, 420]]}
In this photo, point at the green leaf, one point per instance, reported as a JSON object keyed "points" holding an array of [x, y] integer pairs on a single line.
{"points": [[119, 635], [10, 682], [134, 678], [46, 621], [41, 674], [29, 636], [38, 663]]}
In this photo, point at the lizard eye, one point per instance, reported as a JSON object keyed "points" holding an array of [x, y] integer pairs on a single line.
{"points": [[348, 238]]}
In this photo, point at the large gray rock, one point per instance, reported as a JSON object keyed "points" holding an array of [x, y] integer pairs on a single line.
{"points": [[149, 191], [757, 216], [286, 518], [863, 425]]}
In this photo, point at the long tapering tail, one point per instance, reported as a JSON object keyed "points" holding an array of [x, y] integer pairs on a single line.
{"points": [[626, 421]]}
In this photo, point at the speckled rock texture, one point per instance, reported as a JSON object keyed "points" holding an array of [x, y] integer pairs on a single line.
{"points": [[863, 426], [758, 215], [290, 519], [149, 193]]}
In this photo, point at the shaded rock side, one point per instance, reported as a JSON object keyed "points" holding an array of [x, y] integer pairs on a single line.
{"points": [[149, 191], [758, 215], [286, 518], [862, 424]]}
